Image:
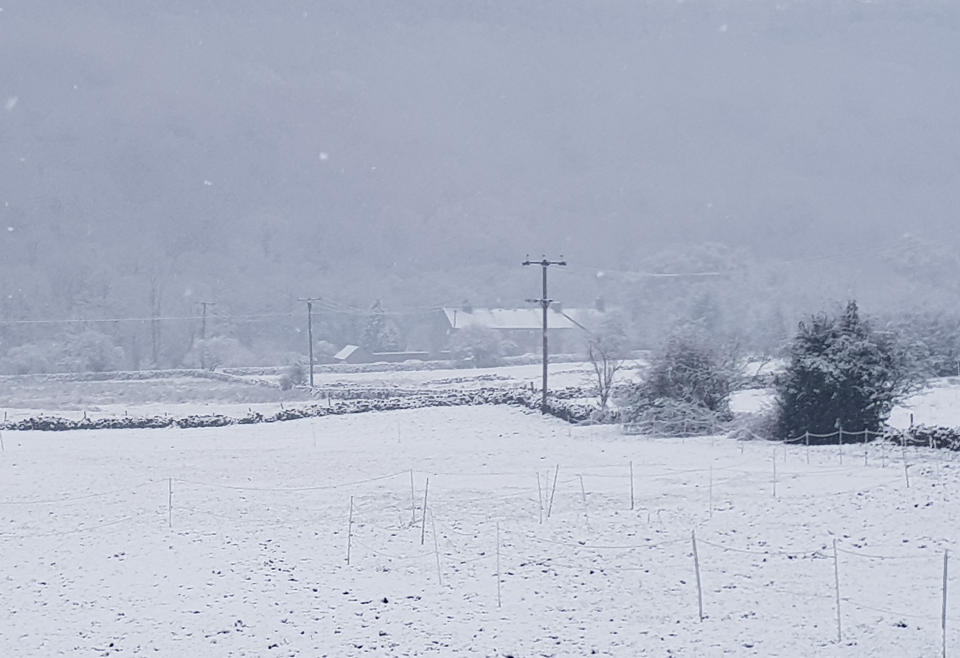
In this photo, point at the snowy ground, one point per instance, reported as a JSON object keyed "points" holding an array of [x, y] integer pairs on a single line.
{"points": [[253, 562]]}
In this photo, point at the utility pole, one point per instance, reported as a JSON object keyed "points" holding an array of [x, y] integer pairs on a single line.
{"points": [[203, 333], [544, 302], [309, 301]]}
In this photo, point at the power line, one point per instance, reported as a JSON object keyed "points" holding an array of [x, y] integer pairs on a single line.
{"points": [[880, 249], [248, 316], [325, 305]]}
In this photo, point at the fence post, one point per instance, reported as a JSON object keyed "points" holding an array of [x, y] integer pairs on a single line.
{"points": [[943, 614], [774, 472], [436, 548], [696, 566], [836, 582], [840, 440], [903, 449], [866, 437], [710, 494], [806, 440], [553, 491], [498, 565], [540, 497], [350, 530], [423, 524], [583, 494], [413, 502], [631, 485]]}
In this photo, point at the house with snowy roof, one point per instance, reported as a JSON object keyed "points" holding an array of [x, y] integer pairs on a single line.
{"points": [[566, 328]]}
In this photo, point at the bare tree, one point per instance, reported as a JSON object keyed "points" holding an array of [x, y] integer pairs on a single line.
{"points": [[605, 353]]}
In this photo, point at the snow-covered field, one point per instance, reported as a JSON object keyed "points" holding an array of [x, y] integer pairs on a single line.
{"points": [[31, 397], [251, 560]]}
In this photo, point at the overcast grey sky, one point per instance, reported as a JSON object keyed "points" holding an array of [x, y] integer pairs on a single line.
{"points": [[397, 137]]}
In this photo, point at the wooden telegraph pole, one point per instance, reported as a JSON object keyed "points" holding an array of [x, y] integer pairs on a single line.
{"points": [[309, 301], [544, 302], [203, 333]]}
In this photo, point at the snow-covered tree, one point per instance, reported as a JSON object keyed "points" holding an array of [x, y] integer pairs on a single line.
{"points": [[841, 373]]}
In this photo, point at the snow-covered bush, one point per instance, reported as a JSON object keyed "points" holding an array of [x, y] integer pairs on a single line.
{"points": [[841, 373], [323, 351], [510, 348], [293, 375], [689, 379], [220, 351], [478, 345], [91, 351]]}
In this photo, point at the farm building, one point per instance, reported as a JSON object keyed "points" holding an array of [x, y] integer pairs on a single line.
{"points": [[523, 326]]}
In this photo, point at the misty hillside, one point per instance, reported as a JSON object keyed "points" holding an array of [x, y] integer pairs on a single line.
{"points": [[153, 154]]}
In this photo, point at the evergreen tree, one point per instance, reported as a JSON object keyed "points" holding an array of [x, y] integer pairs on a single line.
{"points": [[379, 334], [841, 374], [376, 324]]}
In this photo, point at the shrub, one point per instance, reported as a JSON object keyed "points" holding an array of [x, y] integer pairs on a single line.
{"points": [[689, 380], [480, 345], [510, 348], [91, 351], [293, 375], [222, 351]]}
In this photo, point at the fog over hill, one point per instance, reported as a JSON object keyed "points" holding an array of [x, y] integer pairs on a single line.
{"points": [[252, 152]]}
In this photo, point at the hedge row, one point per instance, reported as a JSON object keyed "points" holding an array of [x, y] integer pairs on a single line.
{"points": [[928, 436], [570, 412], [353, 392]]}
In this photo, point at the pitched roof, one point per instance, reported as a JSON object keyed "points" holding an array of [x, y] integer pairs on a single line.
{"points": [[519, 318], [346, 352]]}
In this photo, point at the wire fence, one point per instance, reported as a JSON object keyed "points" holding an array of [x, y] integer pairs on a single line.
{"points": [[502, 526]]}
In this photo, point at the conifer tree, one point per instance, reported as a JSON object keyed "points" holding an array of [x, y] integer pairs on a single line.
{"points": [[841, 374]]}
